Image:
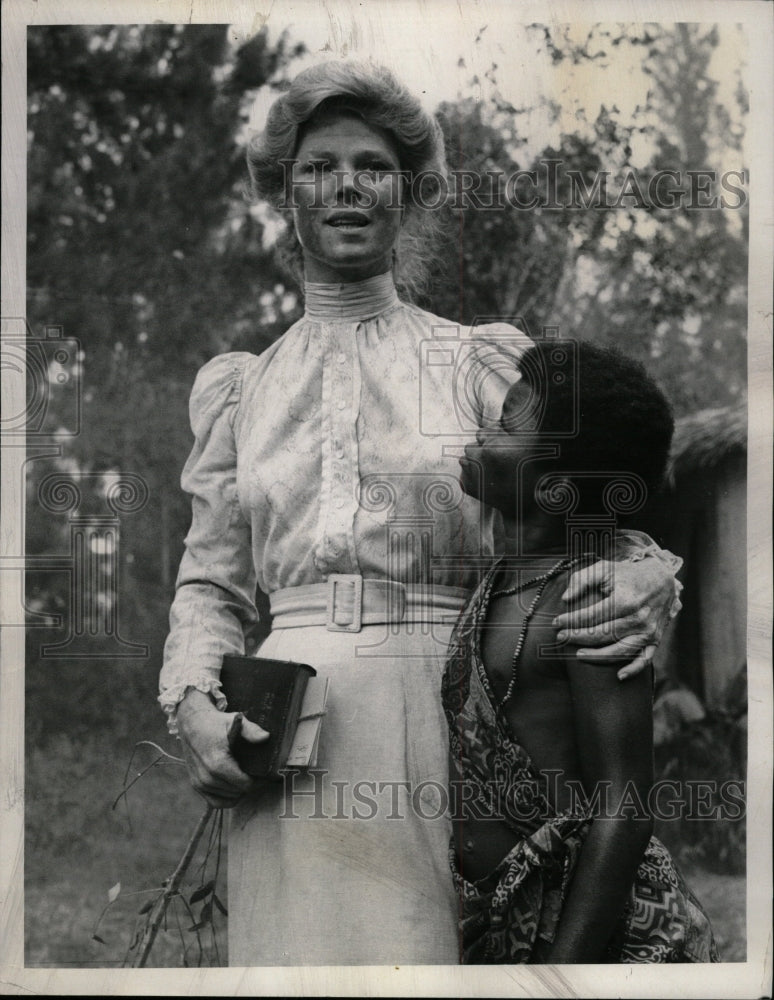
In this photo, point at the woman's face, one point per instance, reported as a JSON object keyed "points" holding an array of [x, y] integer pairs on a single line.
{"points": [[347, 205]]}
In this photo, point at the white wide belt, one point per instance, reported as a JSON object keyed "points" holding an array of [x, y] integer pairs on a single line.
{"points": [[346, 602]]}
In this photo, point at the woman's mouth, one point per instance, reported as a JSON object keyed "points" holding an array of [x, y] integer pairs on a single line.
{"points": [[347, 220]]}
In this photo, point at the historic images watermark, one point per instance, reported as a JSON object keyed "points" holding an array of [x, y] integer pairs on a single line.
{"points": [[550, 187], [312, 794]]}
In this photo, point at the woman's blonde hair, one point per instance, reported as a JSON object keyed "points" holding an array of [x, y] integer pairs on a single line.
{"points": [[380, 99]]}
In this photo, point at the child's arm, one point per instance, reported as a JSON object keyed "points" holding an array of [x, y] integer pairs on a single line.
{"points": [[614, 732]]}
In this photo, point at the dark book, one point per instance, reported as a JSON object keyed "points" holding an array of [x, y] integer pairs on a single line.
{"points": [[270, 693]]}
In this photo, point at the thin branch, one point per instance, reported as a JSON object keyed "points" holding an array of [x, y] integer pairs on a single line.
{"points": [[202, 869], [182, 935], [154, 763], [135, 779], [196, 929], [170, 890]]}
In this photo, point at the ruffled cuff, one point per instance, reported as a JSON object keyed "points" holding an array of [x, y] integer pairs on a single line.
{"points": [[171, 697], [633, 546]]}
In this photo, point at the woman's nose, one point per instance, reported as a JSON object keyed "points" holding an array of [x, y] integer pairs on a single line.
{"points": [[346, 186]]}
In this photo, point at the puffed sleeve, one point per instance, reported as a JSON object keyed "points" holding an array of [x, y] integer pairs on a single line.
{"points": [[215, 590], [492, 368]]}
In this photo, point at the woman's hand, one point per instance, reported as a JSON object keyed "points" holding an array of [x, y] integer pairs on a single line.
{"points": [[627, 624], [204, 733]]}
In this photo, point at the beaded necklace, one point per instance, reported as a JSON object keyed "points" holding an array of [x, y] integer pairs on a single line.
{"points": [[543, 580]]}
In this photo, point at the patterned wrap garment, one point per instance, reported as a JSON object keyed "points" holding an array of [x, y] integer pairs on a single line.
{"points": [[335, 452], [511, 915]]}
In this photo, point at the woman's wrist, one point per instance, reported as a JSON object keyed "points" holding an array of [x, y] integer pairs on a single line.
{"points": [[634, 546], [172, 695], [193, 703], [672, 565]]}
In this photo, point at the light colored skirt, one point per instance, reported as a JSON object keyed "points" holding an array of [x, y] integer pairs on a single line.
{"points": [[349, 866]]}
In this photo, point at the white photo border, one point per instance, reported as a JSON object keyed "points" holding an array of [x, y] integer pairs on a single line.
{"points": [[749, 979]]}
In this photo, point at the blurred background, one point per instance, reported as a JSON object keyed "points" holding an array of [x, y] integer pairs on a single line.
{"points": [[146, 258]]}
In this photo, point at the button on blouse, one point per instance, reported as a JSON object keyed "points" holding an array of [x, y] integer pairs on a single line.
{"points": [[334, 451]]}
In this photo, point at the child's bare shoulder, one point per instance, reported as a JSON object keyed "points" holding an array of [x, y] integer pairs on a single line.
{"points": [[520, 626]]}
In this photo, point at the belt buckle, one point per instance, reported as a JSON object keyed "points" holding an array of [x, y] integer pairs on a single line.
{"points": [[339, 580]]}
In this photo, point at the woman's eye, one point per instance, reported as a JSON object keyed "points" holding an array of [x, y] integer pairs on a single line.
{"points": [[315, 166], [378, 167]]}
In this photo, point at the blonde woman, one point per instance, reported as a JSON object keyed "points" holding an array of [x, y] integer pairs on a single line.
{"points": [[320, 474]]}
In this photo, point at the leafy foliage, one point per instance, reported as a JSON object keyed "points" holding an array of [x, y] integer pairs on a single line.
{"points": [[665, 284], [142, 244], [706, 753], [170, 901]]}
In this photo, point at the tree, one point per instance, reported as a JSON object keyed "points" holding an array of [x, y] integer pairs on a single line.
{"points": [[143, 245], [667, 285]]}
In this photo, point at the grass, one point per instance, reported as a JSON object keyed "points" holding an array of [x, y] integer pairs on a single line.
{"points": [[724, 898], [80, 738], [72, 862], [77, 847]]}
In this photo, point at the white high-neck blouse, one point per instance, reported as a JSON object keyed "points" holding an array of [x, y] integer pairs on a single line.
{"points": [[334, 451]]}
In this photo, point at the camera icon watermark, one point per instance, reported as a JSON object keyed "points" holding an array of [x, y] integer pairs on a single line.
{"points": [[463, 380], [42, 387]]}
